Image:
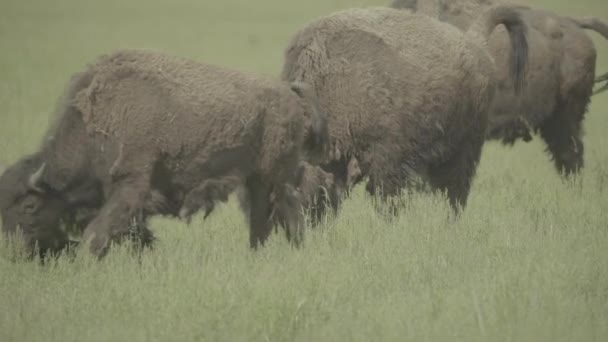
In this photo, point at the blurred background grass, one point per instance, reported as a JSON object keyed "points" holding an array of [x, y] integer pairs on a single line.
{"points": [[527, 261]]}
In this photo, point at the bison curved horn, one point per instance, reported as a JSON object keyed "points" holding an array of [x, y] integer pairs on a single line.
{"points": [[300, 88], [35, 178]]}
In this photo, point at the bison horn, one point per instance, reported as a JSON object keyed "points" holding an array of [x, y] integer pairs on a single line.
{"points": [[36, 177], [300, 88]]}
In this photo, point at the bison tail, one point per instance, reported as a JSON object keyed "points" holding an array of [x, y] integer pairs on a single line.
{"points": [[511, 17], [603, 78], [600, 26], [593, 23]]}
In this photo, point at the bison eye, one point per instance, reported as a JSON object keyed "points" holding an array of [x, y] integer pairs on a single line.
{"points": [[30, 205]]}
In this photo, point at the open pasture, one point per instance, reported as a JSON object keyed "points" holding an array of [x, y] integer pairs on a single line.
{"points": [[528, 260]]}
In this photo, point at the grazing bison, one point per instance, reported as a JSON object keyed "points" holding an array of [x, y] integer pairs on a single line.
{"points": [[559, 84], [139, 132], [406, 95]]}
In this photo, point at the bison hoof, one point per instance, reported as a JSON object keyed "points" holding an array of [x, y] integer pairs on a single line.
{"points": [[185, 214], [98, 245]]}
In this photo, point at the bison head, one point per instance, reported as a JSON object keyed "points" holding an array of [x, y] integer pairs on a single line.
{"points": [[30, 208]]}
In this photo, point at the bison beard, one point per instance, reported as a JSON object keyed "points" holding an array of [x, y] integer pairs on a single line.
{"points": [[140, 133]]}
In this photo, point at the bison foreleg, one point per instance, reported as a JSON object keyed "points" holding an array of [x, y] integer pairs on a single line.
{"points": [[260, 211], [121, 216], [386, 181], [287, 207], [565, 145], [455, 176]]}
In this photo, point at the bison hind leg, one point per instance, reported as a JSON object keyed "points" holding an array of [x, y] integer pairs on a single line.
{"points": [[287, 208]]}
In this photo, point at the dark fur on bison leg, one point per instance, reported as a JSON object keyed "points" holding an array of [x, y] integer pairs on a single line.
{"points": [[510, 130], [565, 145], [120, 217], [287, 208], [139, 233], [454, 177], [206, 195], [259, 206], [562, 133]]}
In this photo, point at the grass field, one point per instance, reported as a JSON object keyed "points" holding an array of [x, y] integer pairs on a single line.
{"points": [[528, 261]]}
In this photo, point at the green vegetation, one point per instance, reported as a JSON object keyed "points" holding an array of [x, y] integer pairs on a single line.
{"points": [[528, 261]]}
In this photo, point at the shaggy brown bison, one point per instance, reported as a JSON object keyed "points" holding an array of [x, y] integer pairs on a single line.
{"points": [[406, 95], [138, 132], [559, 84]]}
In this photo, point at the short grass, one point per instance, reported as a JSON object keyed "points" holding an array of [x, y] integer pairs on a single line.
{"points": [[528, 261]]}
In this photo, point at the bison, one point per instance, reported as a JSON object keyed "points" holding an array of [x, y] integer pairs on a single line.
{"points": [[140, 132], [559, 85], [406, 95]]}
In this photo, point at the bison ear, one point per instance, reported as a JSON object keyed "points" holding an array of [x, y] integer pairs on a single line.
{"points": [[35, 179]]}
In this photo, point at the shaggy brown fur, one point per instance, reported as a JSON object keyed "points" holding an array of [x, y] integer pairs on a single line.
{"points": [[560, 82], [207, 194], [138, 130], [316, 189], [406, 96]]}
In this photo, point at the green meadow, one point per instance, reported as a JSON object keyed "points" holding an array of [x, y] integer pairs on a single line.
{"points": [[527, 261]]}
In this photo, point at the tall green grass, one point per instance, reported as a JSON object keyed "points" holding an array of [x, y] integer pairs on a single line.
{"points": [[528, 261]]}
